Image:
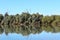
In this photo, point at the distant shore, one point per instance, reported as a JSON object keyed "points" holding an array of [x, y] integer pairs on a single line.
{"points": [[25, 18]]}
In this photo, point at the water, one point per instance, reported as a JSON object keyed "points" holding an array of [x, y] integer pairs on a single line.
{"points": [[41, 36], [29, 33]]}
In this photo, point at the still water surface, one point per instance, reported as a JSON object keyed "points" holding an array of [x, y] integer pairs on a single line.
{"points": [[41, 36]]}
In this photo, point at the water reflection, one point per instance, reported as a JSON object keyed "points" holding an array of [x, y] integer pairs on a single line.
{"points": [[26, 30], [17, 32], [41, 36]]}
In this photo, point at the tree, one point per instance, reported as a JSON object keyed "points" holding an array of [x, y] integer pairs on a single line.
{"points": [[6, 14], [1, 18]]}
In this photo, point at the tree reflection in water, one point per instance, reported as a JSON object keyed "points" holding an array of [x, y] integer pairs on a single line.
{"points": [[26, 30]]}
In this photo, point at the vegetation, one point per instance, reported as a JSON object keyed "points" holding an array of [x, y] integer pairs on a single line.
{"points": [[27, 23], [29, 19]]}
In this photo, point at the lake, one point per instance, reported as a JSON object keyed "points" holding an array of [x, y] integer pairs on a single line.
{"points": [[41, 36], [35, 33]]}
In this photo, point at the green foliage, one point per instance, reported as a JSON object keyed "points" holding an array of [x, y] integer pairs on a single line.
{"points": [[28, 19], [27, 23]]}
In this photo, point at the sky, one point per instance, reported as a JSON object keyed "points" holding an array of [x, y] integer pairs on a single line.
{"points": [[45, 7]]}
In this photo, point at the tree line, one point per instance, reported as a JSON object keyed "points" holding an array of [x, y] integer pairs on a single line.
{"points": [[25, 18], [26, 23]]}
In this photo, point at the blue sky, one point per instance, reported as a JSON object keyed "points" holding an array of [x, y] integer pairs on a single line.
{"points": [[45, 7]]}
